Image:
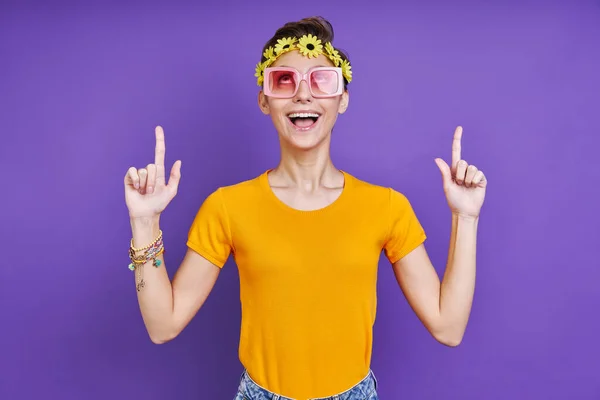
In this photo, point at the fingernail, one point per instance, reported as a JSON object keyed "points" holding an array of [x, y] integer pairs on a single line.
{"points": [[150, 189]]}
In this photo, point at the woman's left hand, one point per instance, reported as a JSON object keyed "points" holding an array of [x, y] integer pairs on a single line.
{"points": [[464, 184]]}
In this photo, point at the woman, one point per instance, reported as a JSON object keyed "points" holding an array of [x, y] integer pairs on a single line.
{"points": [[306, 237]]}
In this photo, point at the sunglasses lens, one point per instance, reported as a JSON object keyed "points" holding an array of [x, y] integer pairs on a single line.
{"points": [[282, 83], [324, 82]]}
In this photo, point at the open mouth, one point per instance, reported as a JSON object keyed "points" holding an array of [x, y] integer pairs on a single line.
{"points": [[304, 121]]}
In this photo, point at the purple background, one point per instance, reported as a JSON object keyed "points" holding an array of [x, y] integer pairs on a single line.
{"points": [[82, 87]]}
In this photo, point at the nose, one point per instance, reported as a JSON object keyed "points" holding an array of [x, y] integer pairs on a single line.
{"points": [[303, 95]]}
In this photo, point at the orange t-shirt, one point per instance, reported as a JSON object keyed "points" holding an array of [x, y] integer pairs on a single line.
{"points": [[307, 278]]}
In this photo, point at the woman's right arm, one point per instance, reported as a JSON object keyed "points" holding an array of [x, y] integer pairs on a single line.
{"points": [[167, 307]]}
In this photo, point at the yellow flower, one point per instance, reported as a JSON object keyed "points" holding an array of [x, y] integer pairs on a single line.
{"points": [[269, 53], [347, 70], [260, 69], [333, 54], [284, 45], [310, 46]]}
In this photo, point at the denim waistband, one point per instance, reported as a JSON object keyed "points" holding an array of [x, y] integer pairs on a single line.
{"points": [[361, 391]]}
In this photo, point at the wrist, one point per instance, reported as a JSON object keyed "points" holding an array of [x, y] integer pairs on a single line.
{"points": [[144, 230], [465, 217], [144, 221]]}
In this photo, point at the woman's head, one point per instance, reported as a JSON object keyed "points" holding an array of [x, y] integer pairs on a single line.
{"points": [[304, 80]]}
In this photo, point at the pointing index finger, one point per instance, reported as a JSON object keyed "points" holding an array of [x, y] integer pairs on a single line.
{"points": [[456, 147], [159, 151]]}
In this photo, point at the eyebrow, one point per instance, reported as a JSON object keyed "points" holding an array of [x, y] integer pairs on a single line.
{"points": [[316, 66]]}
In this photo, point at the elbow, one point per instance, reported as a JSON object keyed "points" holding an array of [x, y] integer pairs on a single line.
{"points": [[451, 337], [162, 337], [449, 341]]}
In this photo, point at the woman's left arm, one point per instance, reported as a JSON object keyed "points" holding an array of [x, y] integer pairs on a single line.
{"points": [[444, 307]]}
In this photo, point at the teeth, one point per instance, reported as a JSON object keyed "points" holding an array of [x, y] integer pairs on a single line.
{"points": [[304, 115]]}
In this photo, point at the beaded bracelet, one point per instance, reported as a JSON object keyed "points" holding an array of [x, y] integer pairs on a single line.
{"points": [[150, 253]]}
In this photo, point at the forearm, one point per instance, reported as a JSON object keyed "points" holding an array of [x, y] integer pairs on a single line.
{"points": [[155, 298], [458, 285]]}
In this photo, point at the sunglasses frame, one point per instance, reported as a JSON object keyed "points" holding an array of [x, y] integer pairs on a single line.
{"points": [[302, 77]]}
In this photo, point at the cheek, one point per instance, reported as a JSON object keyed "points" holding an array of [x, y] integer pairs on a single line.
{"points": [[332, 108], [276, 106]]}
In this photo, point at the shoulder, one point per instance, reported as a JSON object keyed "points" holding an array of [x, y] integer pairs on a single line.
{"points": [[361, 185], [220, 201], [241, 191], [376, 192]]}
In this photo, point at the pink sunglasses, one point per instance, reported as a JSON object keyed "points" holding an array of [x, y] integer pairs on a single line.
{"points": [[283, 82]]}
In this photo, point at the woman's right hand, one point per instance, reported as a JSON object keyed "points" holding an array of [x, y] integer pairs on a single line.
{"points": [[146, 192]]}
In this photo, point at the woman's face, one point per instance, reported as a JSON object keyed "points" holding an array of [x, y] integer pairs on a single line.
{"points": [[303, 133]]}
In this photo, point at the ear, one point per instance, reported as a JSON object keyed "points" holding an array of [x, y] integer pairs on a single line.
{"points": [[263, 104], [344, 102]]}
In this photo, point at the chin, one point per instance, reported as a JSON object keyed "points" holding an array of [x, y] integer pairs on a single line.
{"points": [[305, 139]]}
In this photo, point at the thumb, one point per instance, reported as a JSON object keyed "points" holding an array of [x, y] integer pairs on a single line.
{"points": [[445, 170], [175, 176]]}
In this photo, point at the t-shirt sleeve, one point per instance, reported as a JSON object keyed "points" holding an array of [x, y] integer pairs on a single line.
{"points": [[210, 233], [405, 232]]}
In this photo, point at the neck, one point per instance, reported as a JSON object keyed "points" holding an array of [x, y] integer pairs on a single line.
{"points": [[308, 169]]}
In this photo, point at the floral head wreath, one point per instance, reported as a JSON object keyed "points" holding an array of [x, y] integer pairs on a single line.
{"points": [[309, 46]]}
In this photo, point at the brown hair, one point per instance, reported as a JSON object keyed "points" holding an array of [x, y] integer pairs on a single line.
{"points": [[316, 26]]}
